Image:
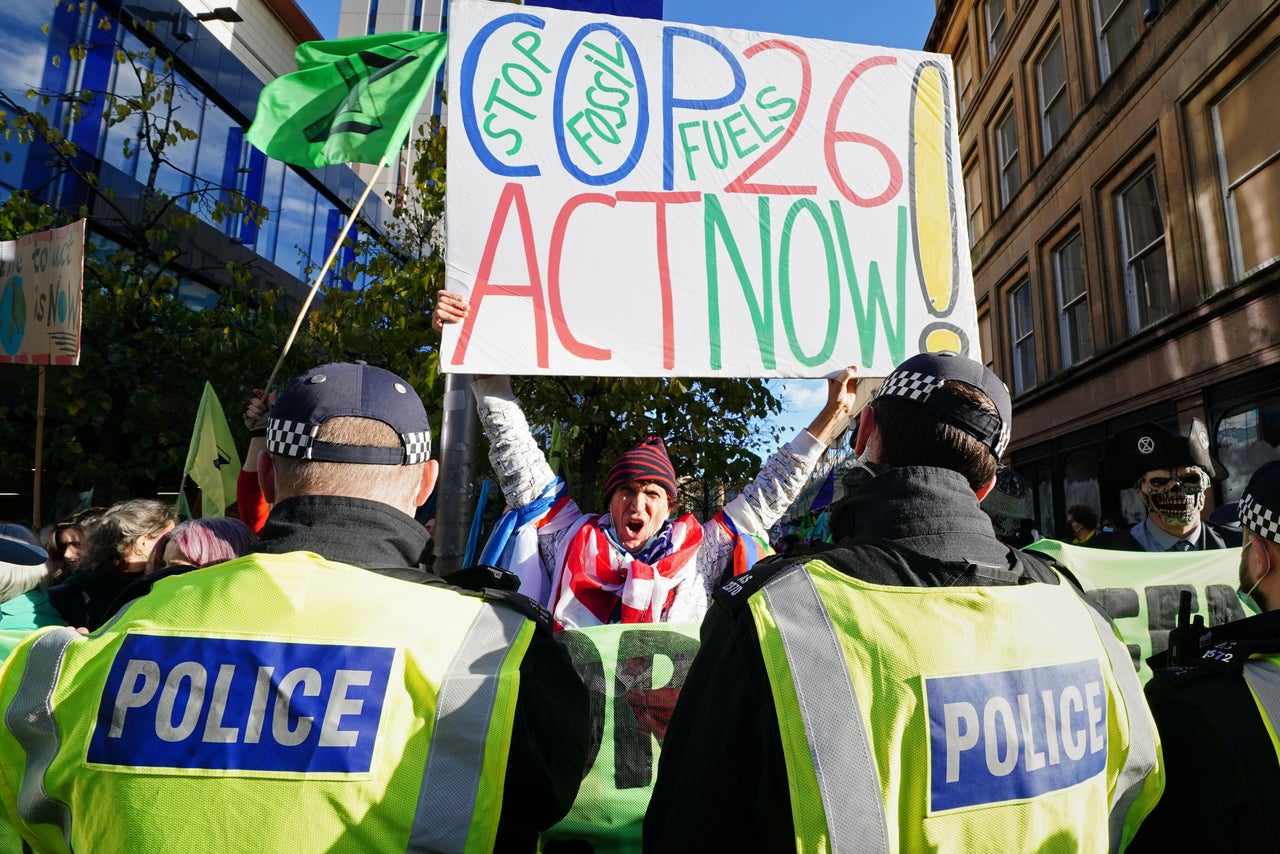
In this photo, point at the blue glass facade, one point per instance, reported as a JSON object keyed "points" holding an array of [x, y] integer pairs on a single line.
{"points": [[216, 98]]}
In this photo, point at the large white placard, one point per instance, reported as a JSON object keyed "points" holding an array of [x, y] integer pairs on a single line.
{"points": [[641, 198]]}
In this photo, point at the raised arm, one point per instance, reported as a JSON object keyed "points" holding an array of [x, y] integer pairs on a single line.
{"points": [[785, 473], [522, 469]]}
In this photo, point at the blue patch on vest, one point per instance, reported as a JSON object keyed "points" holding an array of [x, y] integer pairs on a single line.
{"points": [[1015, 734], [215, 703]]}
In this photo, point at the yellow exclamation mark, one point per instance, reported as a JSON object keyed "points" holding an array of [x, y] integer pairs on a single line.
{"points": [[933, 205]]}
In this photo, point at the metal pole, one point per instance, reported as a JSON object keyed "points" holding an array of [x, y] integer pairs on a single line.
{"points": [[35, 490], [455, 502]]}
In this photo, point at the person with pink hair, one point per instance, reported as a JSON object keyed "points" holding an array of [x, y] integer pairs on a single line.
{"points": [[203, 542]]}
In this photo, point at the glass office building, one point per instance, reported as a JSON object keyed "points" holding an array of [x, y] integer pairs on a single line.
{"points": [[216, 97]]}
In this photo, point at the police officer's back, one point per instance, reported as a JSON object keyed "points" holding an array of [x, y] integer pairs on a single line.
{"points": [[919, 687], [324, 696], [1218, 708]]}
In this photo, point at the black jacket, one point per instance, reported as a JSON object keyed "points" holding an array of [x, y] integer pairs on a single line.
{"points": [[1222, 777], [551, 729], [1211, 536], [722, 779]]}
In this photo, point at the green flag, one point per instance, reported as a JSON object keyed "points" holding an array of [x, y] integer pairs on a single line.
{"points": [[350, 99], [212, 460]]}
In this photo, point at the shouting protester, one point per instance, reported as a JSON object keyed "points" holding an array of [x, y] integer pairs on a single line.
{"points": [[633, 564]]}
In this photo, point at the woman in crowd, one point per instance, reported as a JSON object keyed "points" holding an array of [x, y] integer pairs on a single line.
{"points": [[116, 552], [198, 543], [65, 544]]}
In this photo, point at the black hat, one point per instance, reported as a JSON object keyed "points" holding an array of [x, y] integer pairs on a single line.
{"points": [[351, 389], [1260, 504], [1150, 447], [923, 379]]}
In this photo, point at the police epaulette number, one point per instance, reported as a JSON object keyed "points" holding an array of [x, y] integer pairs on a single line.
{"points": [[733, 594], [1228, 656]]}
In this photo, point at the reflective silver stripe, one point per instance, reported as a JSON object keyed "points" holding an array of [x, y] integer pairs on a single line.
{"points": [[30, 719], [847, 777], [464, 711], [1141, 760], [1263, 677]]}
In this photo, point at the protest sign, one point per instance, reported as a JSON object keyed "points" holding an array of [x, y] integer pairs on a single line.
{"points": [[633, 674], [40, 282], [633, 197], [1140, 591]]}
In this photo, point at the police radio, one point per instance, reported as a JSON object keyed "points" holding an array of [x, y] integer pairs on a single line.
{"points": [[1184, 638]]}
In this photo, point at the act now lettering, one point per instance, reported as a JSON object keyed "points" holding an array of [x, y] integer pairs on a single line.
{"points": [[784, 205]]}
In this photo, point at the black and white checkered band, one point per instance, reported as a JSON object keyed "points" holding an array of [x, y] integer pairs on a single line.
{"points": [[290, 438], [417, 447], [297, 439], [912, 385], [917, 386], [1262, 520]]}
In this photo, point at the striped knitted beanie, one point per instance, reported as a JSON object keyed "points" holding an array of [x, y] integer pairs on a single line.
{"points": [[648, 462]]}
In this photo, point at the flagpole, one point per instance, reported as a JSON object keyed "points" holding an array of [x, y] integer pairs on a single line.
{"points": [[315, 285]]}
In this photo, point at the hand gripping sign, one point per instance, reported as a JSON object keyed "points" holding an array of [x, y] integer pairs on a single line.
{"points": [[641, 198]]}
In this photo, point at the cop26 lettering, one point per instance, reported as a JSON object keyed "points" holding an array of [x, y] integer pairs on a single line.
{"points": [[599, 96]]}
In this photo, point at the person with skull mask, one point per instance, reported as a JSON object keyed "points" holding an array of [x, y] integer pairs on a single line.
{"points": [[1219, 710], [1171, 475]]}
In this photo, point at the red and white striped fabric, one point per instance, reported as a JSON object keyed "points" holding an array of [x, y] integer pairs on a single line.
{"points": [[598, 576]]}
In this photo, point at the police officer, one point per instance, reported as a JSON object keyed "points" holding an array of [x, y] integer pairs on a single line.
{"points": [[1171, 474], [919, 687], [321, 695], [1219, 712]]}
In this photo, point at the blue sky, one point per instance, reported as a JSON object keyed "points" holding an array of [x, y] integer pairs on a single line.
{"points": [[888, 23]]}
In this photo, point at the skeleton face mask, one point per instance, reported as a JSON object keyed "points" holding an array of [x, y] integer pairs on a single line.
{"points": [[1177, 497]]}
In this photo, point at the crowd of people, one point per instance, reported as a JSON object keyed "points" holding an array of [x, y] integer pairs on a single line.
{"points": [[298, 680]]}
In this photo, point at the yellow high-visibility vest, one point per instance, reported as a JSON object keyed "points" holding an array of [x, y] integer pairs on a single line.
{"points": [[1262, 675], [271, 703], [954, 718]]}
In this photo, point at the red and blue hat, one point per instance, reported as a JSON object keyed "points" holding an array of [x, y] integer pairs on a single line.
{"points": [[647, 462]]}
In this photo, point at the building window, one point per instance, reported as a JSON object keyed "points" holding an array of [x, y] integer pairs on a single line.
{"points": [[1247, 437], [993, 14], [1007, 156], [1117, 32], [985, 343], [964, 71], [1146, 269], [1022, 332], [973, 201], [1249, 164], [1073, 301], [1051, 88]]}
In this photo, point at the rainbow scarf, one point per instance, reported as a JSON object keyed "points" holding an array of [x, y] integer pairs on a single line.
{"points": [[602, 583]]}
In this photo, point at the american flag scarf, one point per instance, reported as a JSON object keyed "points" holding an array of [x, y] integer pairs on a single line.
{"points": [[602, 583]]}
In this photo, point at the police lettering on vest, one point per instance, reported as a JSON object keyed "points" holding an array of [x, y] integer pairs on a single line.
{"points": [[224, 704], [1014, 734]]}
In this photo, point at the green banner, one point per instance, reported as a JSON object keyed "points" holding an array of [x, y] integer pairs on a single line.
{"points": [[1140, 590], [633, 675]]}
